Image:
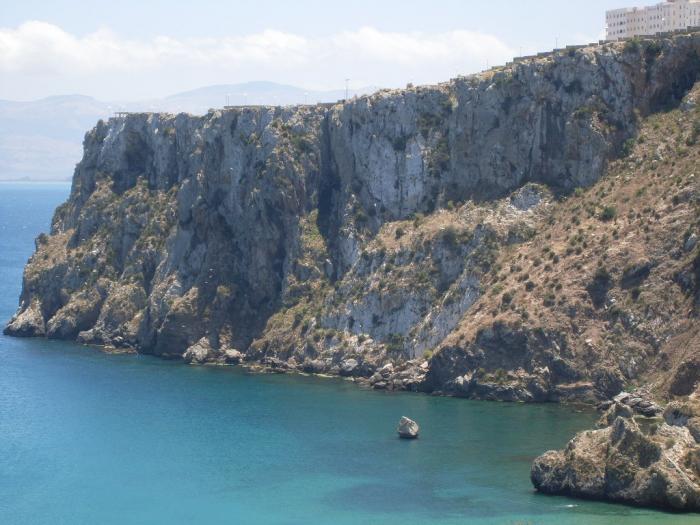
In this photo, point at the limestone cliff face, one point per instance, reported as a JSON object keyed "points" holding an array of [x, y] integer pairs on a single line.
{"points": [[351, 238]]}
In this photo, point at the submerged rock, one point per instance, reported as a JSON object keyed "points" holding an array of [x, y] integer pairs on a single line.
{"points": [[408, 429]]}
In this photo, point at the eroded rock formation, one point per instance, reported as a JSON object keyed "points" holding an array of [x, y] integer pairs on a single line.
{"points": [[656, 465]]}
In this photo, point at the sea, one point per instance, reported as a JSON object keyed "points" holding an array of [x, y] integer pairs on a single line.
{"points": [[88, 437]]}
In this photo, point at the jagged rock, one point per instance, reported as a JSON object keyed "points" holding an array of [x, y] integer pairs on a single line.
{"points": [[315, 366], [640, 401], [232, 356], [615, 411], [685, 379], [528, 197], [621, 463], [386, 370], [79, 314], [622, 397], [679, 413], [28, 322], [691, 242], [275, 364], [408, 429], [603, 406], [198, 353], [348, 367]]}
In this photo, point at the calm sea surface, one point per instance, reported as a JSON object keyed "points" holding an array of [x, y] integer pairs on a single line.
{"points": [[91, 438]]}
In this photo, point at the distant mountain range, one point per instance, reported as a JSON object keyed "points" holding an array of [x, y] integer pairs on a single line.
{"points": [[42, 139]]}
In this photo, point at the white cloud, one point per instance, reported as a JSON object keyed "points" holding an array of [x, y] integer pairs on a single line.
{"points": [[105, 60], [418, 48]]}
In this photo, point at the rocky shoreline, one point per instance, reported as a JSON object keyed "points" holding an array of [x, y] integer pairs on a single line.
{"points": [[365, 238], [527, 234], [632, 459]]}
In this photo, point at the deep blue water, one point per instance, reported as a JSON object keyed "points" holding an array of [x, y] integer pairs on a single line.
{"points": [[92, 438]]}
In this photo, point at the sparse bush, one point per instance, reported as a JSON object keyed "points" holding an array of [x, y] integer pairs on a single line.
{"points": [[395, 344], [599, 286], [360, 216], [507, 298], [632, 46], [627, 147], [608, 213], [301, 143], [549, 300]]}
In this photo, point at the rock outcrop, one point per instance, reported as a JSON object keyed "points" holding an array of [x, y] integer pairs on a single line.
{"points": [[380, 238], [655, 465]]}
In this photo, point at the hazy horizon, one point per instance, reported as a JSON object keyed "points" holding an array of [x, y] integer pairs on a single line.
{"points": [[141, 51], [181, 57], [168, 96]]}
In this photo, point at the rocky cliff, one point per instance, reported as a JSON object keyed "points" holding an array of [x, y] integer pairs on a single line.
{"points": [[392, 237]]}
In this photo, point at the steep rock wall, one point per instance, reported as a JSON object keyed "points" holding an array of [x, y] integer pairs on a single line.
{"points": [[250, 229]]}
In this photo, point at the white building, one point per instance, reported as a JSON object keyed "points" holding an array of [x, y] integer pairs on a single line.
{"points": [[667, 16]]}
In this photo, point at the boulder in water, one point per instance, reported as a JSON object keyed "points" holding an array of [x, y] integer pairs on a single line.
{"points": [[408, 429]]}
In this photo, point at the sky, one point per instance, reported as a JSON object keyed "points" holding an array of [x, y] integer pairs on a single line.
{"points": [[129, 50]]}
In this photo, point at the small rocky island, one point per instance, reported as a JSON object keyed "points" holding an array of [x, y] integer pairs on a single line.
{"points": [[655, 464], [526, 234]]}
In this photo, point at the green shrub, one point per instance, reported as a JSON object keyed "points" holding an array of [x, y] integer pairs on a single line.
{"points": [[507, 298], [632, 46], [302, 144], [361, 216], [608, 214], [627, 147]]}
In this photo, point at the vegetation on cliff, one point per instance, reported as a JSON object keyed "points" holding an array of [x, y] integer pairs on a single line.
{"points": [[529, 233]]}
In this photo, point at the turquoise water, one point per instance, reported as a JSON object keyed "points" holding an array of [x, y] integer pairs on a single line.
{"points": [[91, 438]]}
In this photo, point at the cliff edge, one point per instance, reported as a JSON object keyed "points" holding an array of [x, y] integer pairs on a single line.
{"points": [[488, 237]]}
